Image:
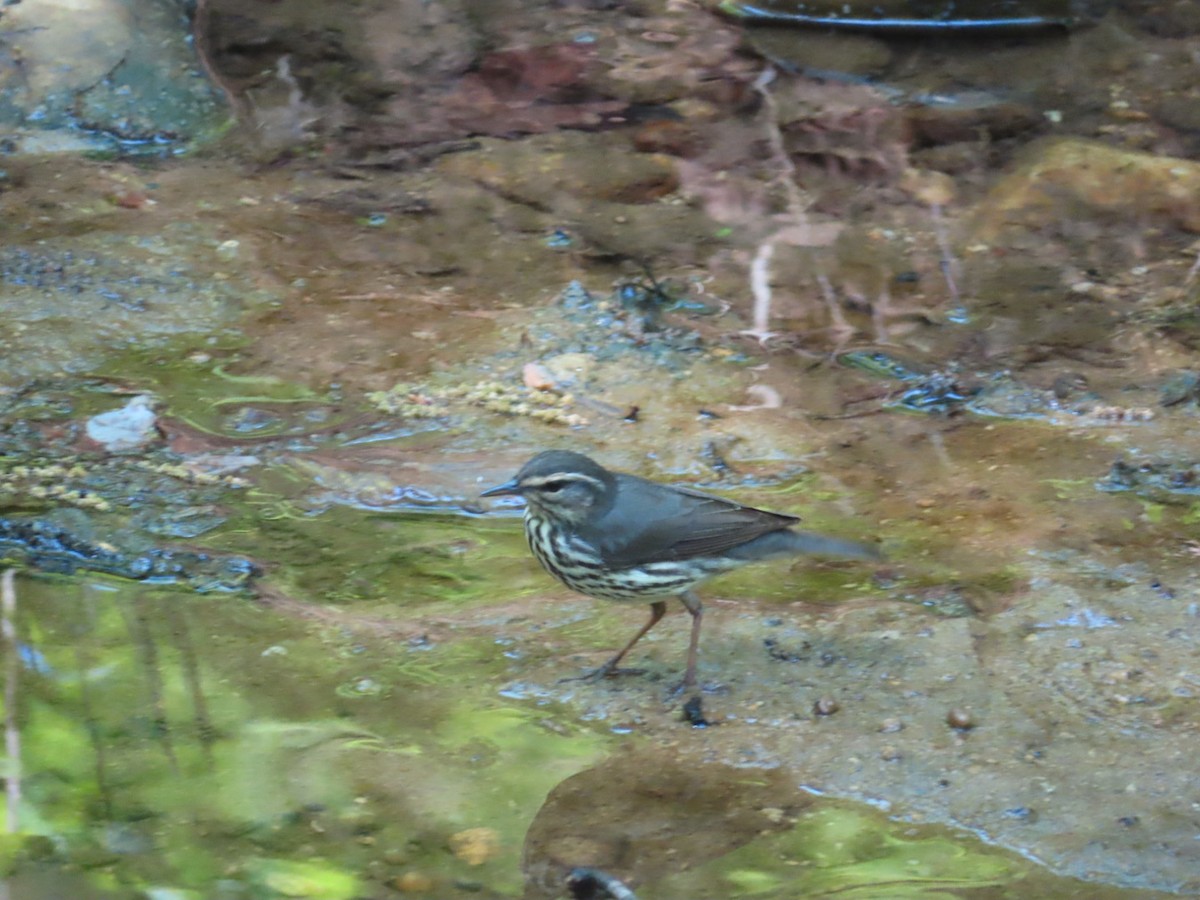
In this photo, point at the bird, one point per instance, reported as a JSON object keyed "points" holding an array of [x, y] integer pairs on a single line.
{"points": [[616, 536]]}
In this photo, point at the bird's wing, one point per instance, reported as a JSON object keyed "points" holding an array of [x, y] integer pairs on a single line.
{"points": [[666, 523]]}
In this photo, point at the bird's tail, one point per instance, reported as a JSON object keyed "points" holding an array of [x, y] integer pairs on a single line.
{"points": [[823, 545], [787, 542]]}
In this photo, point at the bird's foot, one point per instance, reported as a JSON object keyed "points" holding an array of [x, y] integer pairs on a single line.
{"points": [[693, 712], [608, 670]]}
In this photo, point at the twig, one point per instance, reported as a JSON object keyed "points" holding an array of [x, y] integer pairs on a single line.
{"points": [[795, 227], [949, 262], [12, 732], [840, 329], [760, 288], [785, 169], [1193, 271], [200, 27]]}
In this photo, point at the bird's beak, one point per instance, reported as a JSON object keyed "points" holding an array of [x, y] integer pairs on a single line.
{"points": [[509, 488]]}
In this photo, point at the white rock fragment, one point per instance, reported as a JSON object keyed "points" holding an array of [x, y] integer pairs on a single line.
{"points": [[123, 429]]}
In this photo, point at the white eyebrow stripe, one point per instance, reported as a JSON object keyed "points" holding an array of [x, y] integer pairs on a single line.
{"points": [[538, 481]]}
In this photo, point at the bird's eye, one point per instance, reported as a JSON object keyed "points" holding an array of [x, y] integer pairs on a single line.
{"points": [[553, 487]]}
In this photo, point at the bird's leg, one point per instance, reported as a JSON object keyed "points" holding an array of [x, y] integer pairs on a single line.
{"points": [[658, 609], [692, 604]]}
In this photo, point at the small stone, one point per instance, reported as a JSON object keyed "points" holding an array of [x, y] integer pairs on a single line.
{"points": [[126, 428], [890, 754], [826, 706], [891, 725], [395, 856], [475, 846], [1178, 387], [570, 369], [960, 719], [674, 138], [414, 883], [1022, 813], [537, 377], [1068, 384], [930, 188]]}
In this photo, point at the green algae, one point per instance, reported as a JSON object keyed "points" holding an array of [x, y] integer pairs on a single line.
{"points": [[843, 851], [213, 738], [193, 381]]}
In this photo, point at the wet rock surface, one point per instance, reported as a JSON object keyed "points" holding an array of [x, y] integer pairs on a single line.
{"points": [[102, 75], [73, 508], [68, 545], [79, 299]]}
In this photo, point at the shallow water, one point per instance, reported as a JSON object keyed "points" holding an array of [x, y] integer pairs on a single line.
{"points": [[172, 745], [278, 646]]}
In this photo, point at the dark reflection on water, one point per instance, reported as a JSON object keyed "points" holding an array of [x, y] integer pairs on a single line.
{"points": [[177, 746], [175, 741]]}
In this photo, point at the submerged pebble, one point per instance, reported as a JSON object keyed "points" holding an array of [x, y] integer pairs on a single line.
{"points": [[826, 706], [1179, 387], [960, 719]]}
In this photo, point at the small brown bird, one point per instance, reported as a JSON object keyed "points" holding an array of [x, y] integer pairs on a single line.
{"points": [[620, 537]]}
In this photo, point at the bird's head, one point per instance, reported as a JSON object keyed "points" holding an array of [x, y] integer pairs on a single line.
{"points": [[561, 485]]}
